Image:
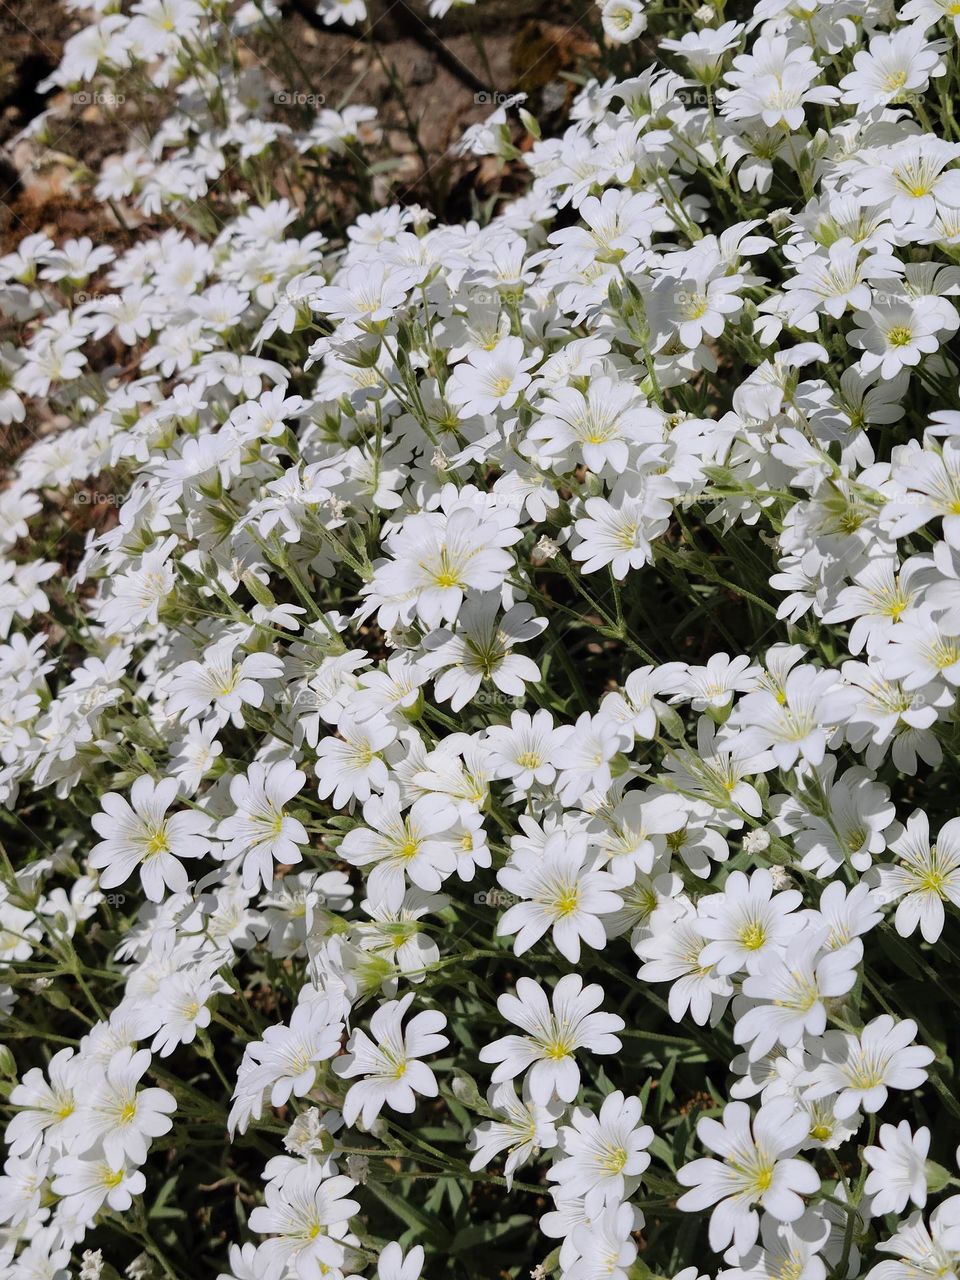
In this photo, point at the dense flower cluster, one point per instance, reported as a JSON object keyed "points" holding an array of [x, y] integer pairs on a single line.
{"points": [[375, 769]]}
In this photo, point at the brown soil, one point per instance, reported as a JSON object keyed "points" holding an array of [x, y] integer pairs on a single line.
{"points": [[436, 76], [428, 80]]}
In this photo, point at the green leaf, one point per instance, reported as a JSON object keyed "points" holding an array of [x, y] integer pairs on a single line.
{"points": [[486, 1232], [418, 1219], [665, 1087], [937, 1176], [158, 1209]]}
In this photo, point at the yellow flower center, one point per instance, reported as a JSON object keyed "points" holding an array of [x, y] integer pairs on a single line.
{"points": [[566, 903], [753, 936], [932, 880], [615, 1160], [696, 306], [228, 684], [158, 843], [555, 1050]]}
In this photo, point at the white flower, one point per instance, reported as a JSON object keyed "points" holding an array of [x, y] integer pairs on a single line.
{"points": [[305, 1214], [926, 876], [284, 1061], [526, 1128], [436, 559], [137, 595], [800, 723], [619, 534], [854, 827], [261, 832], [919, 651], [389, 1063], [491, 380], [894, 67], [554, 1029], [369, 293], [747, 921], [858, 1070], [623, 20], [898, 1169], [393, 1265], [605, 1154], [792, 989], [715, 684], [121, 1117], [637, 706], [911, 179], [525, 750], [583, 757], [673, 952], [221, 684], [392, 934], [49, 1110], [703, 50], [919, 1249], [786, 1248], [351, 766], [138, 835], [402, 846], [481, 650], [636, 832], [88, 1182], [839, 279], [604, 1245], [179, 1009], [894, 335], [597, 427], [757, 1166], [561, 893]]}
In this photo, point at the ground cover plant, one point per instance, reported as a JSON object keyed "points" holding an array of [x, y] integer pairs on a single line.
{"points": [[478, 733]]}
